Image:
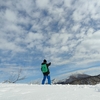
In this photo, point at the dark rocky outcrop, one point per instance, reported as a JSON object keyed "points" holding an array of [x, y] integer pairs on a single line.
{"points": [[81, 79]]}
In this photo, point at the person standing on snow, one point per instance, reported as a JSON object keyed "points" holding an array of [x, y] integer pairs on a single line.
{"points": [[45, 71]]}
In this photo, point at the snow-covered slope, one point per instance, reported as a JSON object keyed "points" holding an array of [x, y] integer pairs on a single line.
{"points": [[49, 92]]}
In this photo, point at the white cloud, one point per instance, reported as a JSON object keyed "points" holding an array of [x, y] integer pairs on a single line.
{"points": [[64, 31], [33, 39], [6, 45], [86, 9], [92, 41], [34, 36], [76, 27], [68, 3], [64, 48], [42, 4], [59, 39], [10, 16], [88, 51]]}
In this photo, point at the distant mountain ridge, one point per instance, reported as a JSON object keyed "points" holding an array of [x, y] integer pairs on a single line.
{"points": [[81, 79]]}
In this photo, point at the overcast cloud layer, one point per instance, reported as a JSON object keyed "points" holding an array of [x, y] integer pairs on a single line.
{"points": [[65, 32]]}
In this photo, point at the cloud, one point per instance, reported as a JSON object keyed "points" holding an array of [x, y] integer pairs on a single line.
{"points": [[34, 36], [33, 39], [10, 16], [88, 49], [65, 32], [42, 4], [68, 3]]}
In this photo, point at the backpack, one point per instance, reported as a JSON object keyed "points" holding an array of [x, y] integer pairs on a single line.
{"points": [[44, 68]]}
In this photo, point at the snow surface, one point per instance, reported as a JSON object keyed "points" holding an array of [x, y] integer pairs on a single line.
{"points": [[49, 92]]}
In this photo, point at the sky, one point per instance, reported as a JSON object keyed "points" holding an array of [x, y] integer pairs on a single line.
{"points": [[64, 32]]}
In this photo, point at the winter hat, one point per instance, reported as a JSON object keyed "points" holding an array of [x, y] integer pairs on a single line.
{"points": [[45, 60]]}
